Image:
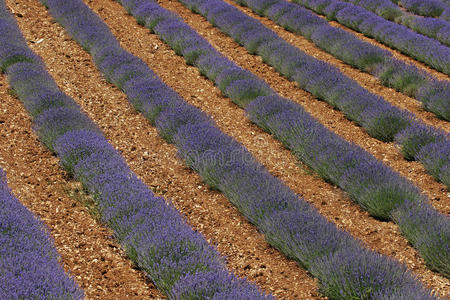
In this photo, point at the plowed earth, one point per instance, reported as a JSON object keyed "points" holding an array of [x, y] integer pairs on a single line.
{"points": [[88, 251]]}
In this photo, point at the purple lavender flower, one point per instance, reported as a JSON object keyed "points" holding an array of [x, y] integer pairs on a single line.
{"points": [[11, 54], [370, 277]]}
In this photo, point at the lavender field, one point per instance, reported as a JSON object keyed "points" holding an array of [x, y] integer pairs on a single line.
{"points": [[210, 149]]}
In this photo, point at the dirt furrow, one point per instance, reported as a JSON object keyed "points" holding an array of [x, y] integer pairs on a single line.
{"points": [[331, 118], [156, 162], [397, 54], [186, 80], [87, 249]]}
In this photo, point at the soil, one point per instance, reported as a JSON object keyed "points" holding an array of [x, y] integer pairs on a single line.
{"points": [[156, 162]]}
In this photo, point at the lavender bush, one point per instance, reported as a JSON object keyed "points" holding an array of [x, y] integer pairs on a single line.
{"points": [[29, 263], [391, 72], [154, 235], [422, 48], [302, 134], [222, 162]]}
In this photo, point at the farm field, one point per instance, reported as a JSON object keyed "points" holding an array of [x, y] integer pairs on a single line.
{"points": [[88, 249]]}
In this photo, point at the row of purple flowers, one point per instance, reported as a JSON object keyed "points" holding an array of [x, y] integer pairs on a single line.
{"points": [[434, 94], [344, 267], [384, 193], [396, 36], [29, 263], [438, 29], [178, 259], [428, 8]]}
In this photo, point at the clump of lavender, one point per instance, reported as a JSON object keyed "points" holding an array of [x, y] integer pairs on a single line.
{"points": [[29, 263], [429, 8], [371, 277], [413, 139], [403, 77], [428, 230], [437, 29], [434, 157], [435, 97]]}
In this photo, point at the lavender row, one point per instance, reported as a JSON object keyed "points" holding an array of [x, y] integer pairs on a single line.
{"points": [[434, 28], [428, 8], [29, 263], [369, 58], [396, 36], [437, 29], [375, 187], [288, 222], [379, 118], [178, 260]]}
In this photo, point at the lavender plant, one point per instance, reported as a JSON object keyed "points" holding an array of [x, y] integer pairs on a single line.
{"points": [[422, 48], [224, 164], [29, 263], [383, 190], [177, 258], [391, 72]]}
